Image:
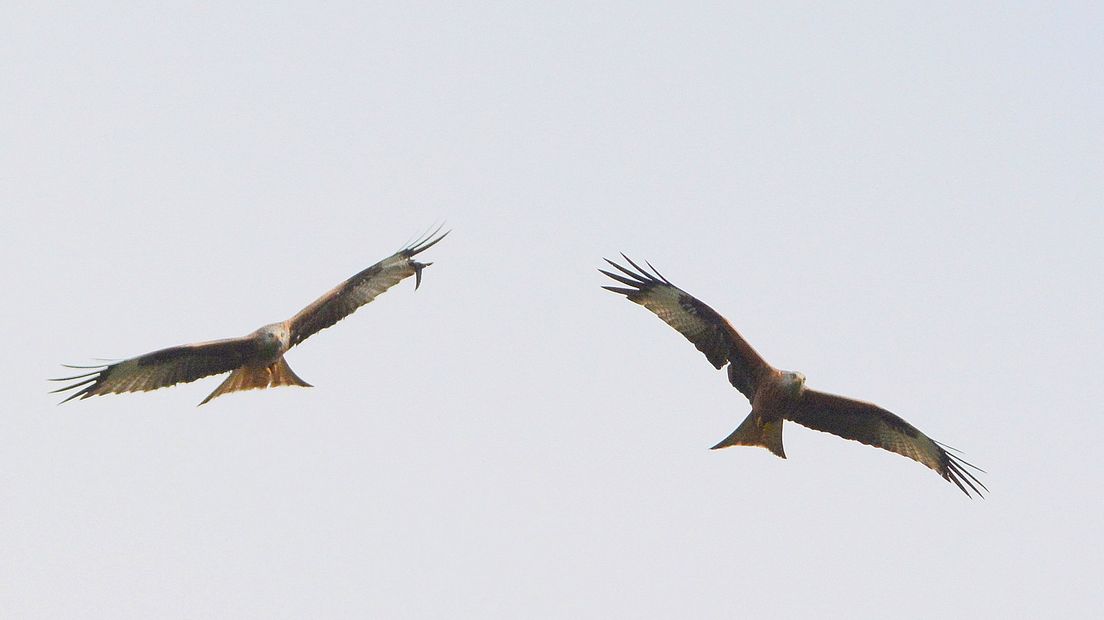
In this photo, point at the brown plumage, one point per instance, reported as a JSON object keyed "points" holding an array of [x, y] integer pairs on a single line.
{"points": [[256, 360], [777, 395]]}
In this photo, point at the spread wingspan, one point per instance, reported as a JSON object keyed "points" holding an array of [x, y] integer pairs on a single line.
{"points": [[256, 360], [777, 395], [700, 324]]}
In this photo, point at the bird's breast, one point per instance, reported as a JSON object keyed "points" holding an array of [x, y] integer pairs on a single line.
{"points": [[773, 397]]}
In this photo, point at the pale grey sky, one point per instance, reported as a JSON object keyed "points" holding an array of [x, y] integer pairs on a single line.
{"points": [[901, 201]]}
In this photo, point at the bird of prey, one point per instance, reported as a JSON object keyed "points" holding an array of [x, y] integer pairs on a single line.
{"points": [[255, 360], [778, 395]]}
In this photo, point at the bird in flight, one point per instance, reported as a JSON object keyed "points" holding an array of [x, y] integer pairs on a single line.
{"points": [[778, 395], [255, 360]]}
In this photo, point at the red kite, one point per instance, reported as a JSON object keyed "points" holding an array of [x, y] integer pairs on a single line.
{"points": [[778, 395], [256, 360]]}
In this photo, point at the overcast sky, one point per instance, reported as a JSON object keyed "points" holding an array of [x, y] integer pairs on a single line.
{"points": [[902, 202]]}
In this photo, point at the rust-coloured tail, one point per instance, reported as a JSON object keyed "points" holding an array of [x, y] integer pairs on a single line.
{"points": [[753, 431], [256, 377], [282, 374]]}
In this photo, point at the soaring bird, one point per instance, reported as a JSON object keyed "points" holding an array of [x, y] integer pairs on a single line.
{"points": [[257, 359], [778, 395]]}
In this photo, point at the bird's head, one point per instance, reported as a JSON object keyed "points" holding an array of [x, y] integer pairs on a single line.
{"points": [[793, 382], [275, 337], [418, 267]]}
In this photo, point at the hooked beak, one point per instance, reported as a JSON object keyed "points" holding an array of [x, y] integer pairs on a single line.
{"points": [[418, 267]]}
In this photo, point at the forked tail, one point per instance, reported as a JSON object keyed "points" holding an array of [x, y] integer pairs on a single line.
{"points": [[754, 431], [254, 377]]}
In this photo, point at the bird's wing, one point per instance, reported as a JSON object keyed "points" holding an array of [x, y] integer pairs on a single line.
{"points": [[162, 368], [360, 289], [699, 323], [870, 424]]}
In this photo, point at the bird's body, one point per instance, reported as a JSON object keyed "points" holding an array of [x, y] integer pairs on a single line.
{"points": [[255, 360], [777, 395], [266, 367]]}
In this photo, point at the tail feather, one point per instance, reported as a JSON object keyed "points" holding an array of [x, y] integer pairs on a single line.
{"points": [[282, 374], [257, 377], [754, 431]]}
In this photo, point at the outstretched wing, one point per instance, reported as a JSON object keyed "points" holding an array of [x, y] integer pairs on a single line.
{"points": [[701, 325], [870, 424], [362, 288], [162, 368]]}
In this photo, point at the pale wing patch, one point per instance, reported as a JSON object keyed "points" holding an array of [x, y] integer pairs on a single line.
{"points": [[673, 306], [390, 275], [190, 362], [362, 288], [696, 321], [870, 424], [160, 369]]}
